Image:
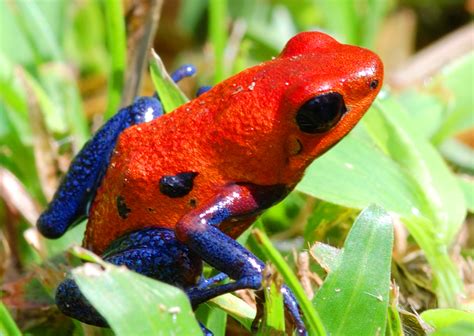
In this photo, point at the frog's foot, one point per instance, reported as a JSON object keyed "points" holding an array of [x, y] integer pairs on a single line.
{"points": [[152, 252], [205, 331], [71, 302]]}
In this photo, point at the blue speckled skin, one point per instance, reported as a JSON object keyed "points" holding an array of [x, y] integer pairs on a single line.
{"points": [[175, 257]]}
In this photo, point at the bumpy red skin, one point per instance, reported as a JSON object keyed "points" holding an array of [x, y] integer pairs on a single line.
{"points": [[242, 130]]}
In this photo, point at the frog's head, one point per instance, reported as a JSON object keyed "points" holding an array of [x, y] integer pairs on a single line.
{"points": [[331, 86]]}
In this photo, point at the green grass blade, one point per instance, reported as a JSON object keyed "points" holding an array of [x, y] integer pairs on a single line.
{"points": [[170, 94], [358, 289], [274, 311], [136, 305], [313, 321], [213, 318], [116, 41], [7, 324], [218, 36]]}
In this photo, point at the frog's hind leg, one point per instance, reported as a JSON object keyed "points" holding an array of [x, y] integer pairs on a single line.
{"points": [[152, 252], [71, 200]]}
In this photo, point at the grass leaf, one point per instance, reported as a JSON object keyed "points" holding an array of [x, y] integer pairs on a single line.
{"points": [[136, 305], [441, 318], [170, 94], [358, 289], [7, 324], [116, 42], [218, 36]]}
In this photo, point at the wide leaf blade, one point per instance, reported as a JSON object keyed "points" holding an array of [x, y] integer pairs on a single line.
{"points": [[136, 305], [358, 290]]}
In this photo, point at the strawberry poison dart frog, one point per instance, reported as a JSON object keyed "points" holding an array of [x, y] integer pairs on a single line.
{"points": [[163, 193]]}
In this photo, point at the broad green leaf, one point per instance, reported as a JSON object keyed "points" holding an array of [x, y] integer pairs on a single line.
{"points": [[358, 290], [170, 95], [355, 174], [7, 324], [440, 200], [442, 318], [426, 110], [136, 305], [458, 329]]}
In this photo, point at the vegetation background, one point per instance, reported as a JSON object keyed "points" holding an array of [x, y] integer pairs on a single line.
{"points": [[404, 265]]}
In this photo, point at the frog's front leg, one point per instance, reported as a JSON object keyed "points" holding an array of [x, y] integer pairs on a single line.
{"points": [[200, 231], [71, 200]]}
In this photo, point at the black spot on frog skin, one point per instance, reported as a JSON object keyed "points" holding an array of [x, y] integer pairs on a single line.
{"points": [[122, 208], [178, 185]]}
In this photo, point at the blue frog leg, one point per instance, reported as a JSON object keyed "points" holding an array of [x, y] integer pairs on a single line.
{"points": [[153, 252], [199, 230], [78, 187]]}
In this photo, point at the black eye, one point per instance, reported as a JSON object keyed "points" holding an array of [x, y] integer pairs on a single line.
{"points": [[321, 113]]}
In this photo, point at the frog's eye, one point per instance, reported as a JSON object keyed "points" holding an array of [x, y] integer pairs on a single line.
{"points": [[321, 113]]}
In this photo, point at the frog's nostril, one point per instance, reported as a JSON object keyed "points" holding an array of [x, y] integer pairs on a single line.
{"points": [[374, 84]]}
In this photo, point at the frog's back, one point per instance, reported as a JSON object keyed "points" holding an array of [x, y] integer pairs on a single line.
{"points": [[130, 196]]}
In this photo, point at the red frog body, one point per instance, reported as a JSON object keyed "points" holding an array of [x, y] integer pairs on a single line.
{"points": [[243, 130], [202, 173]]}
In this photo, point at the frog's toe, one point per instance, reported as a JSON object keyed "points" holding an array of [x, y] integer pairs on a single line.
{"points": [[205, 331], [294, 311], [71, 302]]}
